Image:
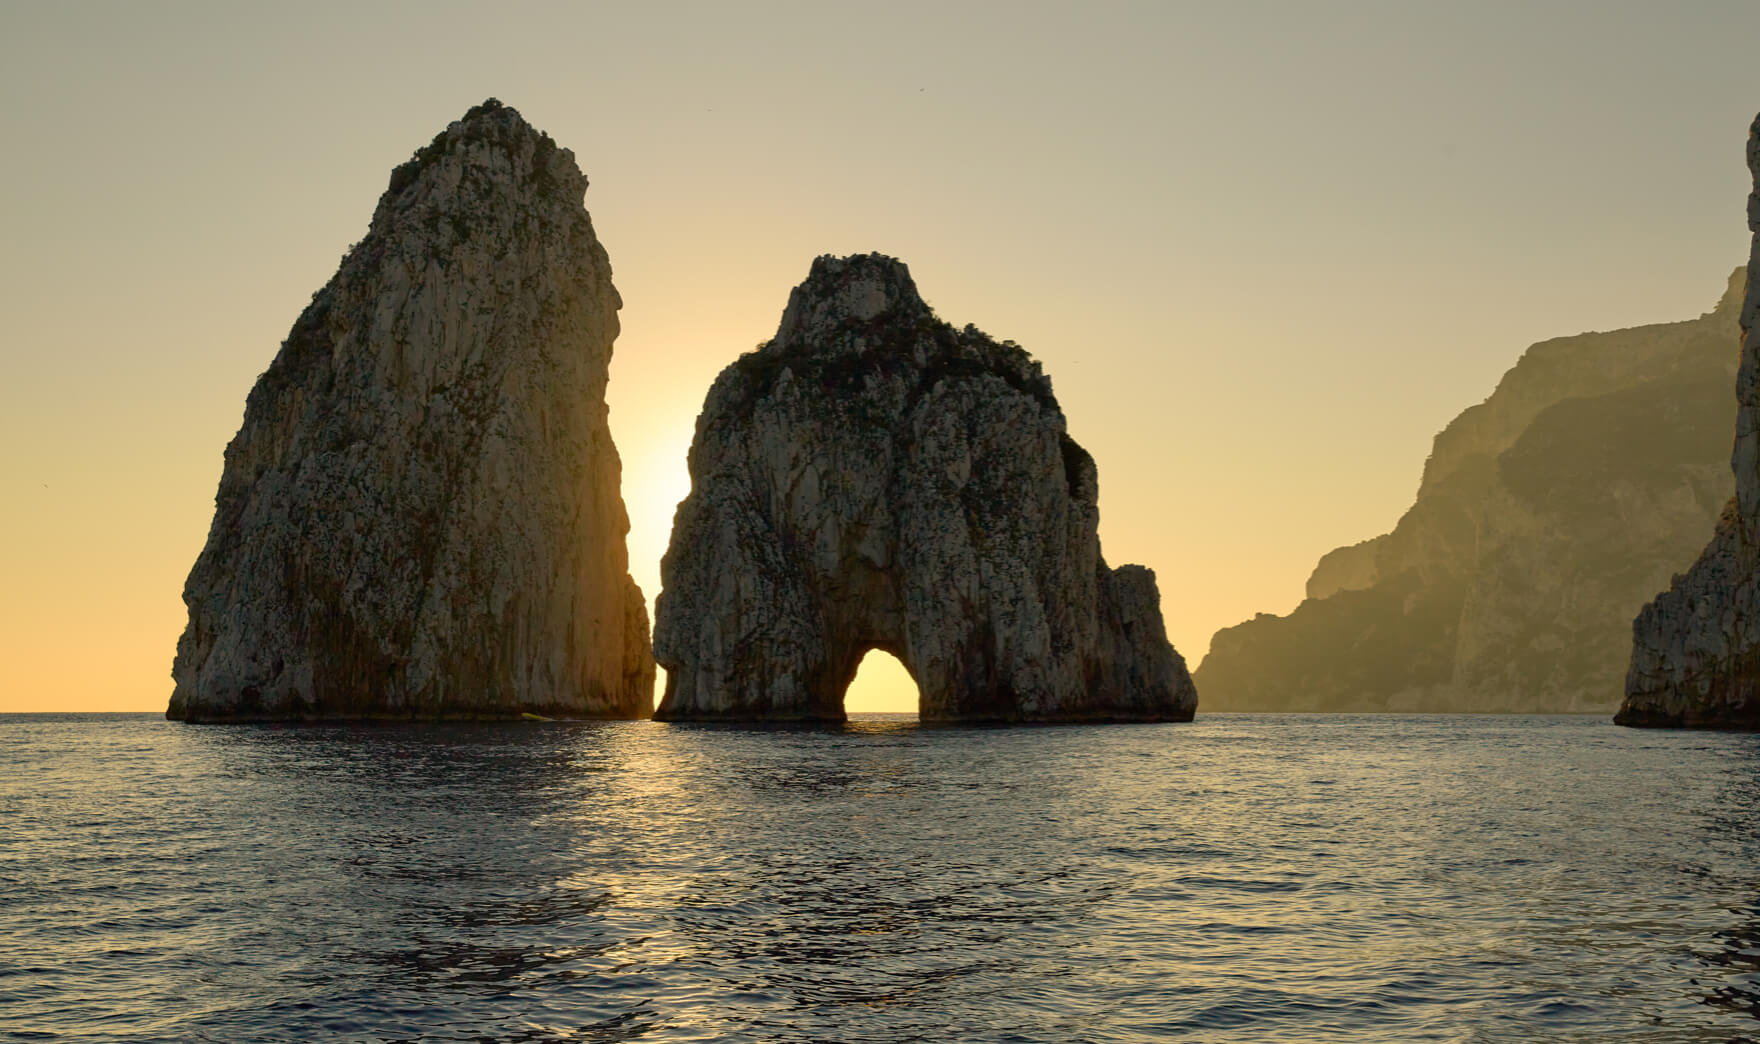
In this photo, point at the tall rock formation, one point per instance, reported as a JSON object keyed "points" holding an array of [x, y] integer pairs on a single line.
{"points": [[420, 517], [873, 478], [1695, 658], [1546, 515]]}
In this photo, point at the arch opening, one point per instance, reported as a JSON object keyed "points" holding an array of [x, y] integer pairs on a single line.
{"points": [[881, 685]]}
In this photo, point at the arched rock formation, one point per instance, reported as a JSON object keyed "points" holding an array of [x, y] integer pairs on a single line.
{"points": [[874, 478]]}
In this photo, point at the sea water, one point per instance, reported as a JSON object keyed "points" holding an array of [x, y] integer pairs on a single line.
{"points": [[1239, 878]]}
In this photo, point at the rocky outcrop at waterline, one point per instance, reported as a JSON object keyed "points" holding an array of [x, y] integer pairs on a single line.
{"points": [[873, 478], [1695, 656], [1546, 516], [420, 516]]}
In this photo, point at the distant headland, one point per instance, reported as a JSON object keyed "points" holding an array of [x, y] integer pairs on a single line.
{"points": [[1546, 515]]}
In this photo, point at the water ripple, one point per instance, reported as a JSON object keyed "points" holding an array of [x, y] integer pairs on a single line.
{"points": [[1242, 878]]}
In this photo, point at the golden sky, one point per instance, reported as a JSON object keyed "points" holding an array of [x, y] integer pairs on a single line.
{"points": [[1265, 250]]}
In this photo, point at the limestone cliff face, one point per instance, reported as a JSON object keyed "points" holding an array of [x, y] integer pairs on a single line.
{"points": [[873, 478], [421, 516], [1546, 515], [1695, 658]]}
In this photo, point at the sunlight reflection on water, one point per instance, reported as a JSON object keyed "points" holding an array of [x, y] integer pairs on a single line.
{"points": [[1251, 878]]}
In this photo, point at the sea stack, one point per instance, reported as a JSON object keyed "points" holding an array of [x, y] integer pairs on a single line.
{"points": [[1696, 648], [872, 478], [420, 516]]}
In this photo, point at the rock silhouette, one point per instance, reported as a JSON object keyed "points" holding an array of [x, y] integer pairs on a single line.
{"points": [[420, 516], [1695, 658], [873, 478], [1546, 516]]}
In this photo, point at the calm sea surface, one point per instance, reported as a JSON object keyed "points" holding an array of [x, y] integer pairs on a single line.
{"points": [[1242, 878]]}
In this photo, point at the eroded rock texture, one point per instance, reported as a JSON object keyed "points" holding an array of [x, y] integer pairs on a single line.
{"points": [[421, 516], [1696, 648], [1546, 516], [874, 478]]}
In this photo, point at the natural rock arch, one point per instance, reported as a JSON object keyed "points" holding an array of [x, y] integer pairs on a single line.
{"points": [[873, 478]]}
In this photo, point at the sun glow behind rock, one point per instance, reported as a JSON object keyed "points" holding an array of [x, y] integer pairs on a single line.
{"points": [[881, 685]]}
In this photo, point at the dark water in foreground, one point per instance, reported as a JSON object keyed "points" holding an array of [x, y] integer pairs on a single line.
{"points": [[1242, 878]]}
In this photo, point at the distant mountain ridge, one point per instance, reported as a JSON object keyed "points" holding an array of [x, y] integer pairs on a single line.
{"points": [[1546, 516]]}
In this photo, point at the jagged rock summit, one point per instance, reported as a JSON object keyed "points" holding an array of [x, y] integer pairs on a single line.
{"points": [[1696, 648], [873, 478], [420, 516]]}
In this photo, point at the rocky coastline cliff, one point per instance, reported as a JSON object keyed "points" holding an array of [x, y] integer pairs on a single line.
{"points": [[420, 516], [1695, 656], [1546, 516], [871, 478]]}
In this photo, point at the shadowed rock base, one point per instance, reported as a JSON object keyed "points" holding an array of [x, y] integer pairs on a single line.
{"points": [[1696, 648], [874, 479]]}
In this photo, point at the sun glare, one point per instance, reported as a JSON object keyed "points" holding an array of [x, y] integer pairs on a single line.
{"points": [[655, 496], [881, 685]]}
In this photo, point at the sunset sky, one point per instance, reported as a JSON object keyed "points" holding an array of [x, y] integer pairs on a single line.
{"points": [[1265, 250]]}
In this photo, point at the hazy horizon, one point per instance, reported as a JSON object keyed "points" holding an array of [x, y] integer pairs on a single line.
{"points": [[1265, 252]]}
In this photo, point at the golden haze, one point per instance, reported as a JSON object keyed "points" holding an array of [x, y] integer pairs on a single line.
{"points": [[1265, 251]]}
